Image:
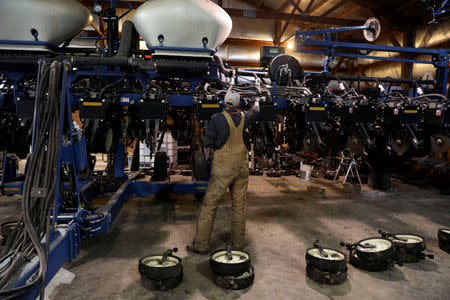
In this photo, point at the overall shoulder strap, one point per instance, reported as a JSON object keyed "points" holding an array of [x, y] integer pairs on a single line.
{"points": [[241, 124], [229, 120]]}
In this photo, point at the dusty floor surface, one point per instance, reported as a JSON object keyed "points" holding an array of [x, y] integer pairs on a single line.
{"points": [[283, 221]]}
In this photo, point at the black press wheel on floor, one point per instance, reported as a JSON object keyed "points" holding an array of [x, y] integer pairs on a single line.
{"points": [[408, 247], [162, 284], [230, 262], [237, 282], [371, 266], [326, 260], [160, 266], [326, 277], [445, 246], [375, 249], [408, 242], [444, 239], [444, 235]]}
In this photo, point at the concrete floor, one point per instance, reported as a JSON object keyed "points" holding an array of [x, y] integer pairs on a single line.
{"points": [[283, 221]]}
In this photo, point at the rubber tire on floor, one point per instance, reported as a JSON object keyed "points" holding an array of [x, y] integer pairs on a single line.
{"points": [[444, 246], [162, 284], [160, 273], [410, 247], [199, 166], [325, 277], [371, 266], [234, 282], [406, 257], [229, 269], [160, 170], [443, 236], [376, 256], [326, 265]]}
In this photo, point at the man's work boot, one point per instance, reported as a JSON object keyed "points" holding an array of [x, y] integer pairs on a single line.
{"points": [[191, 248]]}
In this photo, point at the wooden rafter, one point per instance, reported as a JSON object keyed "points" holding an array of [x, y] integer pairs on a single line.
{"points": [[283, 6], [349, 11], [308, 8], [261, 6], [332, 9], [318, 7], [286, 24], [296, 6], [293, 18], [277, 37]]}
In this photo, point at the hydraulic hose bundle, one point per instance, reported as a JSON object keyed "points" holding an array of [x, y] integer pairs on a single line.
{"points": [[33, 225]]}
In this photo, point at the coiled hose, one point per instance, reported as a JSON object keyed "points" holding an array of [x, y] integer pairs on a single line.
{"points": [[33, 225]]}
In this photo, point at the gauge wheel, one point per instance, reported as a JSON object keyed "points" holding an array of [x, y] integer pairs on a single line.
{"points": [[413, 244], [371, 266], [150, 268], [199, 166], [440, 143], [444, 246], [399, 143], [325, 277], [355, 144], [6, 228], [222, 265], [109, 139], [334, 263], [444, 235], [383, 249], [309, 142], [162, 284], [160, 170], [237, 282]]}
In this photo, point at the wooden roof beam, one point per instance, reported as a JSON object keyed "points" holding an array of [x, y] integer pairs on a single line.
{"points": [[283, 6], [288, 17], [332, 9], [318, 7], [308, 8], [296, 6], [286, 24]]}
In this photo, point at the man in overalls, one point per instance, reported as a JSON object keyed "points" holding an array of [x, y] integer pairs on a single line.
{"points": [[226, 135]]}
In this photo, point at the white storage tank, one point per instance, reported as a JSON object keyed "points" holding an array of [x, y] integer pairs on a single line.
{"points": [[52, 21], [182, 24]]}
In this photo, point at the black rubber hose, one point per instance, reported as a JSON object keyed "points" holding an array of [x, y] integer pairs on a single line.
{"points": [[42, 168], [113, 61], [126, 39]]}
